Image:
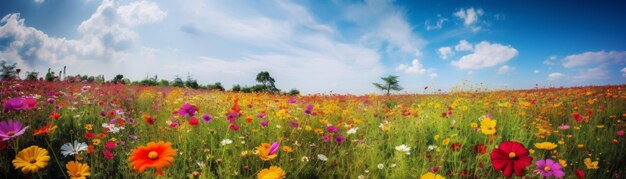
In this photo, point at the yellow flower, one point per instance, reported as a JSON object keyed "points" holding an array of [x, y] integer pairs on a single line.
{"points": [[95, 141], [488, 126], [308, 128], [561, 142], [273, 172], [113, 139], [77, 170], [590, 164], [436, 137], [430, 175], [580, 146], [31, 159], [264, 152], [474, 125], [445, 141], [531, 151], [563, 163], [546, 145], [319, 131], [287, 149], [89, 127]]}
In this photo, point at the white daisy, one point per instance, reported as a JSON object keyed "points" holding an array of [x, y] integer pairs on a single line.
{"points": [[322, 157], [73, 149], [404, 148], [353, 130], [226, 142]]}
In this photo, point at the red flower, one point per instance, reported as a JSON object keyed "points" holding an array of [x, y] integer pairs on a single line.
{"points": [[90, 135], [108, 155], [455, 147], [577, 117], [193, 121], [510, 157], [480, 149], [579, 173]]}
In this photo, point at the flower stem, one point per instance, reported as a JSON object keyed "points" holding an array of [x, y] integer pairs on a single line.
{"points": [[55, 158]]}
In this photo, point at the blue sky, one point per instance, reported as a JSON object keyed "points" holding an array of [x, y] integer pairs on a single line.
{"points": [[319, 47]]}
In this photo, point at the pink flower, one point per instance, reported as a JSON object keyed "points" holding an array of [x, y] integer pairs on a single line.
{"points": [[264, 123], [108, 155], [233, 127], [620, 133], [549, 168], [563, 127], [274, 148], [109, 145]]}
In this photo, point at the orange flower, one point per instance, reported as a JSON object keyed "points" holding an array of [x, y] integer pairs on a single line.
{"points": [[154, 155], [264, 152], [54, 115], [44, 130]]}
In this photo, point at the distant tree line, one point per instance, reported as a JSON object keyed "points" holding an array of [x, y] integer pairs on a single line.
{"points": [[266, 83]]}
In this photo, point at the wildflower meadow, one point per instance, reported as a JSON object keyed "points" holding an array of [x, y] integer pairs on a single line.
{"points": [[105, 130]]}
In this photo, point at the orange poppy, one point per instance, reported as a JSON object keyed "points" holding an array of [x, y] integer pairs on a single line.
{"points": [[44, 130], [154, 155]]}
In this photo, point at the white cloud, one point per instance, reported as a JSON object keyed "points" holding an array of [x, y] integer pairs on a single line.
{"points": [[437, 25], [551, 60], [432, 75], [140, 12], [445, 52], [505, 69], [469, 16], [596, 73], [555, 76], [536, 71], [39, 1], [485, 55], [103, 42], [594, 58], [623, 72], [463, 46], [415, 68]]}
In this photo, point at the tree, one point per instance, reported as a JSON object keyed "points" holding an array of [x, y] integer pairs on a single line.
{"points": [[267, 81], [294, 92], [50, 75], [236, 88], [164, 82], [391, 83], [178, 82], [118, 78], [216, 86], [191, 83], [32, 76], [8, 71]]}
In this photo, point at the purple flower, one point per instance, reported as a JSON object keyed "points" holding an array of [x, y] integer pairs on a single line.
{"points": [[549, 168], [309, 109], [332, 129], [294, 124], [187, 109], [292, 100], [15, 104], [231, 117], [274, 148], [11, 129], [207, 117], [264, 123], [51, 100], [339, 139]]}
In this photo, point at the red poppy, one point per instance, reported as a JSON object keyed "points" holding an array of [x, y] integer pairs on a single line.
{"points": [[510, 157], [193, 121], [579, 173]]}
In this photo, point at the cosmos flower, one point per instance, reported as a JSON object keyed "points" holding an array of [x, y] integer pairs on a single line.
{"points": [[332, 129], [73, 149], [309, 109], [31, 159], [546, 145], [226, 142], [273, 172], [207, 118], [266, 151], [339, 139], [264, 123], [112, 128], [430, 175], [510, 157], [187, 110], [549, 168], [77, 170], [10, 129], [488, 126], [153, 155], [352, 130], [404, 148]]}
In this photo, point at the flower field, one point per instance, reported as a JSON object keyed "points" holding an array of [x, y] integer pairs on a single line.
{"points": [[74, 130]]}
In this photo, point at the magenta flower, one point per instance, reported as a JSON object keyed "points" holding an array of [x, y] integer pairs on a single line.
{"points": [[231, 117], [339, 139], [332, 129], [549, 168], [619, 133], [563, 127], [274, 148], [109, 145], [207, 117], [309, 109], [187, 109], [14, 104], [108, 155], [292, 100], [294, 124], [233, 127], [10, 129], [327, 138], [264, 123], [260, 115]]}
